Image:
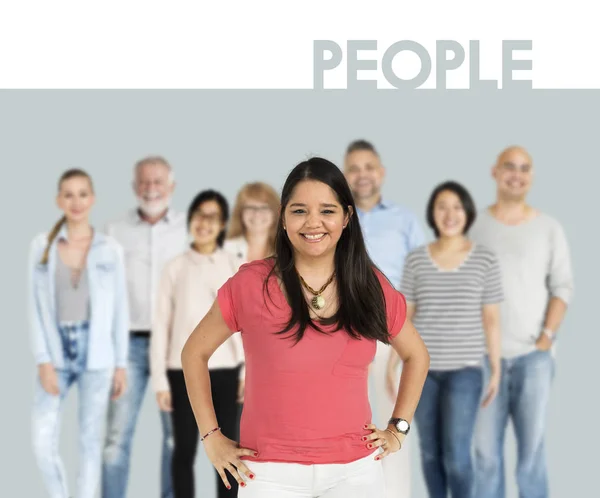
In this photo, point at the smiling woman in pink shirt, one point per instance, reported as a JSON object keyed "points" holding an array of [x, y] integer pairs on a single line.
{"points": [[309, 318]]}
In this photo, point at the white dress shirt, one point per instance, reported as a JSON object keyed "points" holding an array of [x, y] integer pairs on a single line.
{"points": [[147, 248]]}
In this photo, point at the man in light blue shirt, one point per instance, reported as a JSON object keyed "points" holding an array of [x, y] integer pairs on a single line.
{"points": [[391, 231]]}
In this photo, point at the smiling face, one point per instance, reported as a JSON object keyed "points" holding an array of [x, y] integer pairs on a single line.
{"points": [[257, 217], [153, 188], [75, 198], [449, 214], [206, 225], [513, 173], [364, 173], [314, 219]]}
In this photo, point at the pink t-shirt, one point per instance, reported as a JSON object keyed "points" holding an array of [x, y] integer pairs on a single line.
{"points": [[305, 403]]}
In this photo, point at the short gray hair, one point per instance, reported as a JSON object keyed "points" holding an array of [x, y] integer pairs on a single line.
{"points": [[153, 160]]}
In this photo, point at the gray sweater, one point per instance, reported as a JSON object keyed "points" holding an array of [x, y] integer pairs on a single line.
{"points": [[536, 265]]}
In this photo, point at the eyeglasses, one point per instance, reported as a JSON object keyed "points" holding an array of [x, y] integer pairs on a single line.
{"points": [[511, 167], [256, 209], [211, 218]]}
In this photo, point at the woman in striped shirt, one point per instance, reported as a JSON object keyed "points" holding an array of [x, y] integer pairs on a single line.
{"points": [[453, 288]]}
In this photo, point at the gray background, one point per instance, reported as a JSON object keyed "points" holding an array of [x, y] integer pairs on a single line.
{"points": [[221, 139]]}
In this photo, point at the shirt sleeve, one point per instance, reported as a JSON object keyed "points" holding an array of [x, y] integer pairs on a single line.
{"points": [[493, 292], [560, 278], [407, 285], [161, 330], [228, 297], [416, 235], [121, 317], [38, 337], [395, 305]]}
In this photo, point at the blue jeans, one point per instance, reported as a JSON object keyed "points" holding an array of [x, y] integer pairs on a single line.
{"points": [[445, 420], [523, 397], [122, 417], [94, 391]]}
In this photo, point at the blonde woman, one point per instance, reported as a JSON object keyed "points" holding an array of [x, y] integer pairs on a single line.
{"points": [[79, 326], [251, 234]]}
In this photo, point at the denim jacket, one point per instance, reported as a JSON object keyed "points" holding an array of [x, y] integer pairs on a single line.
{"points": [[109, 315]]}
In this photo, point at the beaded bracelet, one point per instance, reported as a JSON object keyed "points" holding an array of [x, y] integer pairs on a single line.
{"points": [[209, 433]]}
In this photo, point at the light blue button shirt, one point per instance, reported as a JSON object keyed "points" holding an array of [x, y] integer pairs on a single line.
{"points": [[108, 340], [391, 231]]}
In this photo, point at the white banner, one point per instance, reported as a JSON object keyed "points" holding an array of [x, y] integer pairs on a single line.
{"points": [[275, 45]]}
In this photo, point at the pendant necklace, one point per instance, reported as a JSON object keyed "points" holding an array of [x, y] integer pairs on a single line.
{"points": [[318, 301]]}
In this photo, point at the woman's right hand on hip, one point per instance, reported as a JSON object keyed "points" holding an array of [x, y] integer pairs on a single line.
{"points": [[48, 378], [225, 454]]}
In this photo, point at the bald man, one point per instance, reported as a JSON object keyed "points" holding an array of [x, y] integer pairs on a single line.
{"points": [[538, 284]]}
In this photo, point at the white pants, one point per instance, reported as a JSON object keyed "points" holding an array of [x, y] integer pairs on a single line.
{"points": [[359, 479], [396, 467]]}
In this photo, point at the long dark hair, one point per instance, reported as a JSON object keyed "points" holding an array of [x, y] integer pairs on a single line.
{"points": [[361, 310]]}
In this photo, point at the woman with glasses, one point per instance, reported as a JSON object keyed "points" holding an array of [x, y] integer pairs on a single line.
{"points": [[187, 290], [251, 234]]}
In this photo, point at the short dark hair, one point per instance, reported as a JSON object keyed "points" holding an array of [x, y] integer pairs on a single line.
{"points": [[361, 145], [465, 199], [362, 311], [210, 195]]}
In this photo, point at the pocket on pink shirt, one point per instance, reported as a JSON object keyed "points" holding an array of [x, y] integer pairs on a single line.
{"points": [[355, 359]]}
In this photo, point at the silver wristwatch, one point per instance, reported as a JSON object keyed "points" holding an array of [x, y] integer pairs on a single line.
{"points": [[401, 425], [549, 333]]}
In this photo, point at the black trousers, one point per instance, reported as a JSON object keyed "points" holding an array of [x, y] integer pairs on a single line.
{"points": [[224, 386]]}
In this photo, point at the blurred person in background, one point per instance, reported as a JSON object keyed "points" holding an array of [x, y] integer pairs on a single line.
{"points": [[391, 231], [453, 288], [187, 290], [251, 235], [151, 234], [538, 285], [79, 326]]}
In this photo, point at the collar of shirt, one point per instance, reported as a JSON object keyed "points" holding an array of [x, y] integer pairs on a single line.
{"points": [[63, 234], [136, 217], [381, 205], [199, 258]]}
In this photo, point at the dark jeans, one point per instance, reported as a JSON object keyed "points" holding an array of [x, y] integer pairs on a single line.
{"points": [[445, 420], [224, 385]]}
